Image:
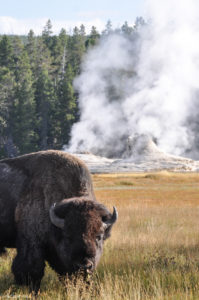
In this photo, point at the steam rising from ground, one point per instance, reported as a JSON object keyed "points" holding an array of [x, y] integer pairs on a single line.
{"points": [[145, 83]]}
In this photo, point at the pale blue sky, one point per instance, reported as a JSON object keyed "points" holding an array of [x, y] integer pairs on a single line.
{"points": [[17, 16]]}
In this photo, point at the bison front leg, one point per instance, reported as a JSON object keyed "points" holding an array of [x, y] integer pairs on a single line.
{"points": [[28, 265]]}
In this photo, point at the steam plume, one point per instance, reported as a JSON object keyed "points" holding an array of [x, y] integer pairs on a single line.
{"points": [[146, 83]]}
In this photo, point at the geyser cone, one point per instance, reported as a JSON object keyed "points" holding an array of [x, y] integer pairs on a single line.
{"points": [[143, 148]]}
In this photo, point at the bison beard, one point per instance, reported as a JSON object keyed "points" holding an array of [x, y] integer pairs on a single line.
{"points": [[48, 211]]}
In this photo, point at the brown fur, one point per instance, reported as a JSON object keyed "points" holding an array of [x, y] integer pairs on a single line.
{"points": [[29, 185]]}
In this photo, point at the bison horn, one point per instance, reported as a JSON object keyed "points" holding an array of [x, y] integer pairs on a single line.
{"points": [[58, 222], [113, 218]]}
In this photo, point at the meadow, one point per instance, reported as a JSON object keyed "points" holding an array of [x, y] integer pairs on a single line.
{"points": [[153, 252]]}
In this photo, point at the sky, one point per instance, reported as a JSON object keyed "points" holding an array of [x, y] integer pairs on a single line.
{"points": [[18, 17]]}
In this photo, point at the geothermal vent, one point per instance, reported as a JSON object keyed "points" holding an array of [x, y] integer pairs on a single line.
{"points": [[141, 155], [141, 148]]}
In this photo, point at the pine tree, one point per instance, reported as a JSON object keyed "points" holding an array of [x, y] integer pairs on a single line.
{"points": [[6, 52], [31, 49], [23, 114], [108, 28], [17, 51], [7, 83], [76, 49], [44, 96], [47, 34], [82, 30], [67, 106], [63, 37], [126, 29], [93, 37], [57, 52], [43, 59], [139, 22]]}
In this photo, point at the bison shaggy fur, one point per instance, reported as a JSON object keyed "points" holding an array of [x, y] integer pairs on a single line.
{"points": [[48, 212]]}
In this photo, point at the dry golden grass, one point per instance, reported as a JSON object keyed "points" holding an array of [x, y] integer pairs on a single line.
{"points": [[154, 249]]}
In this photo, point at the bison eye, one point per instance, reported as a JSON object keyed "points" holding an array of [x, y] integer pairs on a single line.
{"points": [[98, 238]]}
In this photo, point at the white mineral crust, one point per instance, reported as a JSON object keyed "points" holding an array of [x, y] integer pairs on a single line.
{"points": [[141, 155]]}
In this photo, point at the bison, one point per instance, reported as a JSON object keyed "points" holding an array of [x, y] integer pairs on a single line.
{"points": [[48, 212]]}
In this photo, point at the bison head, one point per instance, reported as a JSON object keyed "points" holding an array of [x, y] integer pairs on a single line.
{"points": [[84, 224]]}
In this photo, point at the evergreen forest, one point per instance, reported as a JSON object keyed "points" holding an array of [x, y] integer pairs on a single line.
{"points": [[38, 103]]}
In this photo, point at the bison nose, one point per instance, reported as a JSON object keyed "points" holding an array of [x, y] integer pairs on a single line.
{"points": [[89, 265], [86, 266]]}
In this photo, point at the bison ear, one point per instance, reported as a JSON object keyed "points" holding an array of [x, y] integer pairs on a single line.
{"points": [[57, 221], [109, 223]]}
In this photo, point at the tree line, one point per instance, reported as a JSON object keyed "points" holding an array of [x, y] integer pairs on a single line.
{"points": [[38, 103]]}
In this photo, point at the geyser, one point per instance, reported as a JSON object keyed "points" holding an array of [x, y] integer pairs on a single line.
{"points": [[144, 83], [141, 154]]}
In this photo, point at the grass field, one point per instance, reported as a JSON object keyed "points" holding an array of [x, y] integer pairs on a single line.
{"points": [[153, 252]]}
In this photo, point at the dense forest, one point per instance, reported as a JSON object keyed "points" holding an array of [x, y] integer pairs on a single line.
{"points": [[38, 103]]}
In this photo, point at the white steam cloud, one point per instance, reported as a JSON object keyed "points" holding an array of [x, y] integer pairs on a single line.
{"points": [[146, 83]]}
